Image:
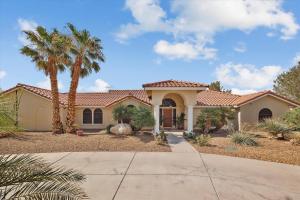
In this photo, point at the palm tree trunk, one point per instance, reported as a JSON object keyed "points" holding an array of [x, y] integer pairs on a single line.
{"points": [[72, 96], [57, 127]]}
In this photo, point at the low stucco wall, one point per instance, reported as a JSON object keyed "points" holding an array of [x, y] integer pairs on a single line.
{"points": [[250, 111]]}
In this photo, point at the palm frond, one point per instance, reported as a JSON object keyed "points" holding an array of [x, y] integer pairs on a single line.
{"points": [[30, 177]]}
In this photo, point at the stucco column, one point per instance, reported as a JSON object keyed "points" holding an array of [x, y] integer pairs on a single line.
{"points": [[239, 121], [156, 117], [190, 118]]}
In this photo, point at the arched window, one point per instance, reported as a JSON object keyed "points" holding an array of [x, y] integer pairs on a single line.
{"points": [[98, 116], [87, 116], [264, 113], [168, 103]]}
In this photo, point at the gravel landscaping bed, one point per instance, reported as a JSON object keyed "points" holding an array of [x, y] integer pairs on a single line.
{"points": [[42, 142], [268, 149]]}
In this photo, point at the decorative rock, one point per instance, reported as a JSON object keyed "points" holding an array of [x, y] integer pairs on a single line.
{"points": [[121, 129]]}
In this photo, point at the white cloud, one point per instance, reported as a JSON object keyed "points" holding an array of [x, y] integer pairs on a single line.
{"points": [[247, 76], [197, 21], [25, 25], [47, 85], [242, 92], [100, 86], [184, 50], [296, 59], [2, 74], [240, 47]]}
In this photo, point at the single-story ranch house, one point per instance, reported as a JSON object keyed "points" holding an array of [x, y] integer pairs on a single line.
{"points": [[167, 99]]}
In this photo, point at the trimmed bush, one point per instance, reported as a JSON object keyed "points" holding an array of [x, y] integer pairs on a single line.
{"points": [[142, 117], [203, 140], [243, 139], [275, 128]]}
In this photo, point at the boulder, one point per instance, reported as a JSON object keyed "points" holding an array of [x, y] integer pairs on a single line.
{"points": [[121, 129]]}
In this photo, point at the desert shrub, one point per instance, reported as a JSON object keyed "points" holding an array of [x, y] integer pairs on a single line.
{"points": [[189, 135], [275, 128], [214, 117], [108, 128], [292, 119], [203, 140], [161, 137], [243, 139], [122, 113], [142, 117], [180, 121]]}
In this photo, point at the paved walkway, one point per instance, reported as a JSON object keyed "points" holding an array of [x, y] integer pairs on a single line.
{"points": [[182, 174], [179, 144]]}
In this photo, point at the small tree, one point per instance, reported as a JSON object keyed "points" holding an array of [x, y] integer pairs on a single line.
{"points": [[292, 118], [216, 117], [122, 113], [142, 117], [216, 86]]}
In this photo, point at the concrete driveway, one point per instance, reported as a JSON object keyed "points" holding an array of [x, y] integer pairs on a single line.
{"points": [[182, 175]]}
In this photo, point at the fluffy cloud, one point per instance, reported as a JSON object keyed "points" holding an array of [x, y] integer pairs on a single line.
{"points": [[197, 21], [100, 86], [242, 92], [240, 47], [25, 25], [47, 85], [2, 74], [247, 76], [296, 59], [184, 50]]}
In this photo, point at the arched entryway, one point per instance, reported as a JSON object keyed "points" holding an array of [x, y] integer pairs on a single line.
{"points": [[171, 107]]}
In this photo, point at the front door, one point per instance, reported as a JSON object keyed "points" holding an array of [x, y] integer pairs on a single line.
{"points": [[167, 118]]}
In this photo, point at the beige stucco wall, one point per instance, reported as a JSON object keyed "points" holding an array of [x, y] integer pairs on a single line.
{"points": [[107, 114], [250, 111], [35, 112]]}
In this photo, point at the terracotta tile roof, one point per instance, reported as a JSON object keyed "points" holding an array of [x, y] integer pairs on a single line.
{"points": [[204, 98], [90, 99], [215, 98], [175, 83]]}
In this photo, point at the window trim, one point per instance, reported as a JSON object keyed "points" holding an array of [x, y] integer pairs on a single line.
{"points": [[92, 109]]}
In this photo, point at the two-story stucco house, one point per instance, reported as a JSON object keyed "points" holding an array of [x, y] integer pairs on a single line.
{"points": [[167, 99]]}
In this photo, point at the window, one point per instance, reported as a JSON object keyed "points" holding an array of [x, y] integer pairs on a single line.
{"points": [[87, 116], [98, 116], [264, 113], [168, 103]]}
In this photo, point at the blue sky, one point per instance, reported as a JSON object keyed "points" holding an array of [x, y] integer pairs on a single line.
{"points": [[244, 44]]}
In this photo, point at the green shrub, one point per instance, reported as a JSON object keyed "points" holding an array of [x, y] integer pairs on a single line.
{"points": [[189, 135], [142, 117], [161, 137], [214, 117], [275, 128], [122, 113], [243, 139], [108, 128], [203, 140], [292, 119]]}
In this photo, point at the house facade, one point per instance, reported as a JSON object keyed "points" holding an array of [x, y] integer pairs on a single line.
{"points": [[167, 100]]}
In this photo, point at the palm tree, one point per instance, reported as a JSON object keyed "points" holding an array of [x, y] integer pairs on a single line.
{"points": [[87, 52], [49, 52], [29, 177]]}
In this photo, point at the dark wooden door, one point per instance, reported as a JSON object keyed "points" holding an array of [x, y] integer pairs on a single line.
{"points": [[167, 115]]}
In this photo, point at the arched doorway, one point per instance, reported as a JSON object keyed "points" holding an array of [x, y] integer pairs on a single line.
{"points": [[172, 105], [264, 113]]}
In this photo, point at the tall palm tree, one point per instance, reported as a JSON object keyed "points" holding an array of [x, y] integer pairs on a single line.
{"points": [[29, 177], [49, 51], [87, 53]]}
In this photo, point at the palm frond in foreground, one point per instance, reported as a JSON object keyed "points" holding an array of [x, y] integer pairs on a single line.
{"points": [[30, 177]]}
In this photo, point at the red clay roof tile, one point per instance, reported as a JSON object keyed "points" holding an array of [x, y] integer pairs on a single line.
{"points": [[175, 83]]}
